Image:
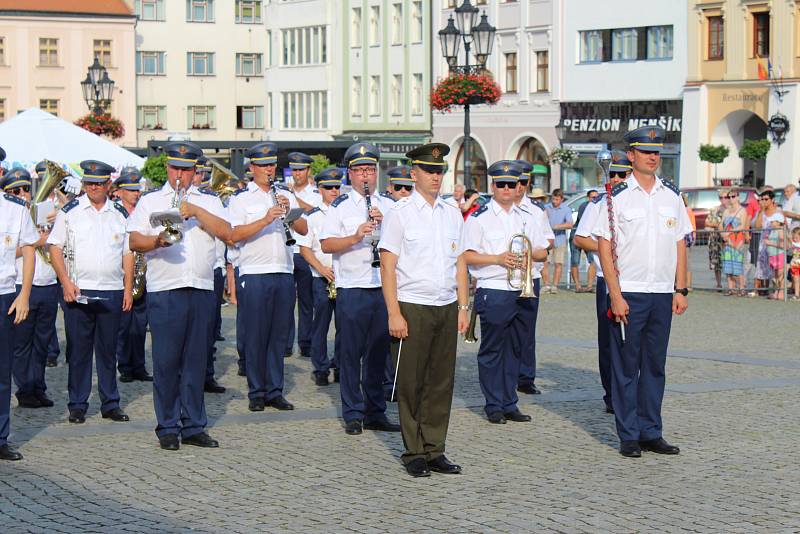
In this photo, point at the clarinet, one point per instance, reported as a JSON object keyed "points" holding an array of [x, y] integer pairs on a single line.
{"points": [[290, 241], [376, 258]]}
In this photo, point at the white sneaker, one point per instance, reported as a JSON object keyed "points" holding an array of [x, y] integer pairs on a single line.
{"points": [[554, 290]]}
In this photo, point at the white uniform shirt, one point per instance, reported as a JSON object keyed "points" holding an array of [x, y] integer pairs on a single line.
{"points": [[587, 224], [16, 230], [310, 195], [190, 261], [316, 221], [540, 216], [427, 241], [353, 266], [648, 226], [100, 241], [43, 274], [489, 230], [266, 251]]}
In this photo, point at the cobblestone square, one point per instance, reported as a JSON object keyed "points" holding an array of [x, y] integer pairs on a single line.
{"points": [[731, 405]]}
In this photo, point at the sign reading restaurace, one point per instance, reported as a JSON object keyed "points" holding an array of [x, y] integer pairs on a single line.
{"points": [[607, 122]]}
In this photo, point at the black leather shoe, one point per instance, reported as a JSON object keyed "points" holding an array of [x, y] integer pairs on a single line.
{"points": [[256, 405], [630, 449], [609, 409], [126, 378], [280, 403], [7, 453], [336, 375], [144, 376], [418, 467], [169, 442], [659, 446], [51, 362], [44, 400], [305, 353], [529, 389], [354, 427], [382, 425], [28, 401], [77, 416], [201, 440], [497, 418], [288, 354], [211, 386], [321, 380], [220, 338], [442, 465], [116, 415], [517, 416], [241, 372]]}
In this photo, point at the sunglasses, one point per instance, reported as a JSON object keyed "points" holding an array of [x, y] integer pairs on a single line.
{"points": [[95, 184], [730, 196], [616, 174], [329, 187], [523, 182], [503, 185], [18, 190], [399, 187]]}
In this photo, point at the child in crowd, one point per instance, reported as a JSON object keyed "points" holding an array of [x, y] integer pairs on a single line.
{"points": [[795, 265]]}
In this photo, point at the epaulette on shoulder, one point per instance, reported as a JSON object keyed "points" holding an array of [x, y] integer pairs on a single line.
{"points": [[315, 191], [69, 205], [238, 192], [537, 203], [120, 208], [208, 192], [314, 210], [15, 200], [338, 200], [598, 198], [281, 185], [384, 194], [619, 188], [151, 191], [669, 184], [480, 210]]}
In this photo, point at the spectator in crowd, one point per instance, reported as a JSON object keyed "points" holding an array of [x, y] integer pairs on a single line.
{"points": [[560, 216], [471, 203], [762, 223], [715, 243], [777, 257], [575, 252], [795, 265], [689, 238], [791, 206], [458, 194], [735, 224]]}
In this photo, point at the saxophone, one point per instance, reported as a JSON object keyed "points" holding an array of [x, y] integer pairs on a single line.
{"points": [[139, 275]]}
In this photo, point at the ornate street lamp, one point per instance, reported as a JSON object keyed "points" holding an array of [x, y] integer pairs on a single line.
{"points": [[97, 88], [465, 28]]}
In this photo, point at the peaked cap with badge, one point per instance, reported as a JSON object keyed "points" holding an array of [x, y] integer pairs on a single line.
{"points": [[95, 172], [430, 157], [362, 154], [646, 139], [299, 161], [504, 171], [183, 154], [263, 154], [620, 162], [18, 177], [400, 175]]}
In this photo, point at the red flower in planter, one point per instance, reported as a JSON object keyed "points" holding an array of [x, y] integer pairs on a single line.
{"points": [[102, 124], [460, 89]]}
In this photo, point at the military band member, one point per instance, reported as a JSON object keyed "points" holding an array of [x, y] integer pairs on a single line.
{"points": [[506, 318], [425, 286], [133, 323], [401, 183], [649, 226], [348, 235], [619, 170], [18, 231], [97, 265], [32, 337], [527, 366], [180, 296], [308, 198], [265, 271], [329, 183]]}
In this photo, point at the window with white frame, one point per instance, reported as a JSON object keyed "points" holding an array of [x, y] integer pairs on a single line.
{"points": [[624, 44], [200, 63], [397, 94], [248, 11], [102, 51], [249, 117], [199, 10], [416, 94], [2, 50], [355, 97], [659, 42], [248, 65], [355, 27], [511, 72], [591, 46], [150, 63], [149, 9], [416, 22], [151, 117], [374, 25], [397, 23], [304, 46], [374, 96], [201, 117], [49, 105], [542, 71], [305, 110], [48, 52]]}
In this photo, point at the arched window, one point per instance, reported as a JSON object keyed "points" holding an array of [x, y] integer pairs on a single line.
{"points": [[534, 152], [477, 179]]}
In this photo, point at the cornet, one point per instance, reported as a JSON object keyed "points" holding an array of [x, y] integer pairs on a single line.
{"points": [[524, 270]]}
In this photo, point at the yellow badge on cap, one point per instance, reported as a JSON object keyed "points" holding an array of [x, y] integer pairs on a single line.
{"points": [[93, 167], [505, 168], [652, 134], [362, 150], [182, 149], [436, 152]]}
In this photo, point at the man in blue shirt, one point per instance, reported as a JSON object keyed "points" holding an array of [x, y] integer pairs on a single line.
{"points": [[560, 216]]}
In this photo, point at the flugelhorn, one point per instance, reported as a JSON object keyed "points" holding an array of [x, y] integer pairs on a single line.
{"points": [[53, 176], [222, 180], [524, 269]]}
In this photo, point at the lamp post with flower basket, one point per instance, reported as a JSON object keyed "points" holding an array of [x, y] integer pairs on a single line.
{"points": [[466, 84]]}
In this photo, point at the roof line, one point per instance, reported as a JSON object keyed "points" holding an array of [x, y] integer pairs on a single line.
{"points": [[22, 12]]}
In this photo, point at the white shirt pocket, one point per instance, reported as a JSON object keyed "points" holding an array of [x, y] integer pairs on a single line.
{"points": [[496, 242], [633, 222], [667, 220], [254, 212]]}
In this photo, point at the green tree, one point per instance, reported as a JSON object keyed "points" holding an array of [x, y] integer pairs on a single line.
{"points": [[155, 169], [319, 162], [715, 154], [754, 149]]}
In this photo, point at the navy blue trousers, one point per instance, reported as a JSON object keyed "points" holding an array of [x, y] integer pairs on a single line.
{"points": [[240, 331], [324, 309], [53, 349], [180, 320], [637, 366], [267, 314], [94, 328], [364, 330], [305, 298], [527, 365], [132, 337], [6, 357], [603, 338], [506, 321], [219, 289], [32, 341]]}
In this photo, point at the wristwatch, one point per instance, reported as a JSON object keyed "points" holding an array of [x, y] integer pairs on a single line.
{"points": [[462, 307], [682, 290]]}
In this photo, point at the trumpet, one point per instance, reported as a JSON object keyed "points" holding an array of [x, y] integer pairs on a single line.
{"points": [[524, 270]]}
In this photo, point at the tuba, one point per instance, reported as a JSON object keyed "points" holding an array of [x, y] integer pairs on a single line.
{"points": [[222, 181], [53, 176], [523, 273]]}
